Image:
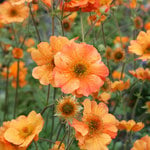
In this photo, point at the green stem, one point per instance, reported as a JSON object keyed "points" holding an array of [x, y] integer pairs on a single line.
{"points": [[62, 140], [45, 108], [34, 22], [17, 87], [36, 146], [137, 101], [82, 28], [6, 94]]}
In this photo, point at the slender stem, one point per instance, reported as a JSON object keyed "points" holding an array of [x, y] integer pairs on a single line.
{"points": [[59, 131], [36, 146], [137, 101], [82, 28], [62, 140], [32, 16], [45, 108], [48, 94], [68, 146], [17, 87], [126, 142], [122, 71], [47, 140], [6, 94]]}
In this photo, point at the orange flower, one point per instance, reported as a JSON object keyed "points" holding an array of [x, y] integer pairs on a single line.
{"points": [[5, 145], [29, 42], [147, 106], [72, 16], [147, 26], [130, 125], [55, 147], [142, 144], [117, 75], [85, 5], [13, 73], [141, 46], [47, 2], [67, 107], [120, 85], [133, 4], [104, 97], [17, 53], [44, 58], [24, 130], [118, 55], [141, 73], [121, 40], [97, 127], [79, 69], [10, 13]]}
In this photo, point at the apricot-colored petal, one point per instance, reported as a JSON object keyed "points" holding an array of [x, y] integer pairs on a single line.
{"points": [[89, 85], [12, 136], [62, 61], [44, 74], [100, 69], [71, 85], [87, 106], [80, 127]]}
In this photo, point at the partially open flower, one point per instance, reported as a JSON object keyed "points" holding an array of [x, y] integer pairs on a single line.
{"points": [[141, 73], [130, 125]]}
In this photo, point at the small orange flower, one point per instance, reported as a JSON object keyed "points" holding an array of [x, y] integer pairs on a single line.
{"points": [[72, 16], [10, 13], [141, 46], [142, 144], [79, 69], [141, 73], [29, 42], [117, 75], [24, 130], [67, 107], [104, 97], [13, 73], [17, 53], [120, 85], [44, 58], [118, 55], [121, 40], [130, 125], [55, 147], [133, 3], [147, 106], [97, 127], [147, 26]]}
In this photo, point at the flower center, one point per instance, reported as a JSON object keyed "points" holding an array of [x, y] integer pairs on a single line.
{"points": [[95, 124], [79, 69], [67, 108], [148, 49], [66, 25], [118, 55], [13, 12], [25, 132]]}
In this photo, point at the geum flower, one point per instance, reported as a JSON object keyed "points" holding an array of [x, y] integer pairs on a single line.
{"points": [[141, 46], [44, 58], [78, 69], [141, 73], [130, 125], [97, 127], [142, 144], [23, 130]]}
